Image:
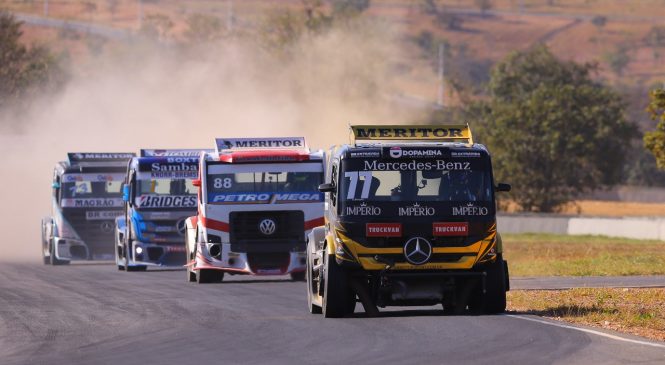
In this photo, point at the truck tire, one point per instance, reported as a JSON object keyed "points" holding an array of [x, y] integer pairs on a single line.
{"points": [[136, 268], [54, 260], [298, 276], [309, 274], [494, 299], [337, 291], [206, 276]]}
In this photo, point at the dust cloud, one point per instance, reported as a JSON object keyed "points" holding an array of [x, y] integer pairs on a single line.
{"points": [[164, 96]]}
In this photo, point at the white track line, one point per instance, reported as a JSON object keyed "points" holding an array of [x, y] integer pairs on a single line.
{"points": [[599, 333]]}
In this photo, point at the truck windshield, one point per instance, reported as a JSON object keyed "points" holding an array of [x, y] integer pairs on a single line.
{"points": [[264, 183], [91, 189], [458, 180], [166, 187]]}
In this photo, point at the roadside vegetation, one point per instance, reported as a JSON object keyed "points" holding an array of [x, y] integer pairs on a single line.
{"points": [[639, 312], [25, 71], [562, 255]]}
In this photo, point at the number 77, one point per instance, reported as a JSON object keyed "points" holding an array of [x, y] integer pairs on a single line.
{"points": [[354, 176]]}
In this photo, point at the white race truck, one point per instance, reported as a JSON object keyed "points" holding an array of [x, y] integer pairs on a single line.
{"points": [[257, 201]]}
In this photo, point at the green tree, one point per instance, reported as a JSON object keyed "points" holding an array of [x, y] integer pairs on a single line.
{"points": [[483, 5], [24, 72], [443, 16], [554, 132], [156, 26], [349, 7], [618, 60], [283, 28], [203, 28], [654, 141]]}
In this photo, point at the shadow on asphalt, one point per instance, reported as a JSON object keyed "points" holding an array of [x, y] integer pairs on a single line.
{"points": [[415, 313], [276, 281]]}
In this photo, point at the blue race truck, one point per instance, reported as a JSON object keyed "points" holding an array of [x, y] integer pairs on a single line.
{"points": [[158, 196], [86, 198]]}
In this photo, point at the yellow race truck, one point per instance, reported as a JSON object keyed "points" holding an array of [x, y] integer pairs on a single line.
{"points": [[410, 220]]}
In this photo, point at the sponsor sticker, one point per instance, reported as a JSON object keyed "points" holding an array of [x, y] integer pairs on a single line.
{"points": [[412, 165], [239, 143], [91, 203], [465, 154], [450, 229], [416, 210], [399, 152], [363, 210], [265, 198], [83, 156], [166, 201], [366, 154], [471, 210], [383, 230], [182, 152], [394, 132], [93, 177], [98, 215]]}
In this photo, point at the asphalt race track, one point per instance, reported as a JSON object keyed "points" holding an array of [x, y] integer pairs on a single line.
{"points": [[93, 314]]}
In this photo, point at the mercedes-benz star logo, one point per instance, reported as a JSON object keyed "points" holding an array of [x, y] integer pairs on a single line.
{"points": [[417, 250], [267, 227], [106, 227], [181, 226]]}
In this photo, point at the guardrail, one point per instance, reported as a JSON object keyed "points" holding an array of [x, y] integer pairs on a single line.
{"points": [[652, 228]]}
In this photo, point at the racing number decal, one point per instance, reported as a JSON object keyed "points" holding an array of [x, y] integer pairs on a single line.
{"points": [[220, 183], [354, 176]]}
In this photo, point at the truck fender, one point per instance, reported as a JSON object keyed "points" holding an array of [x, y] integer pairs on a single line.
{"points": [[317, 236]]}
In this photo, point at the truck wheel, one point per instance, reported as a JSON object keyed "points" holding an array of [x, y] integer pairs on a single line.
{"points": [[298, 276], [337, 292], [205, 276], [47, 260], [311, 288], [136, 268], [494, 300], [191, 275], [54, 260]]}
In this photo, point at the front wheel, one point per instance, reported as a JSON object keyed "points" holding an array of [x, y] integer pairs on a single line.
{"points": [[493, 301], [311, 287], [337, 293], [205, 276], [298, 276], [136, 268], [54, 260]]}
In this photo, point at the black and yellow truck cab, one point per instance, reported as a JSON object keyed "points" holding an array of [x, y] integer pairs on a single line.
{"points": [[410, 219]]}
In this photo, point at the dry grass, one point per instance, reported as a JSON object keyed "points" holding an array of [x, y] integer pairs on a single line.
{"points": [[558, 255], [606, 208], [636, 311]]}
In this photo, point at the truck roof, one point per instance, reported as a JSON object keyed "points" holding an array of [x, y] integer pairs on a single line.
{"points": [[263, 150], [370, 140], [78, 162]]}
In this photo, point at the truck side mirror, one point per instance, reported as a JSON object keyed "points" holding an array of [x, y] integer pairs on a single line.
{"points": [[503, 187], [196, 182], [327, 188], [125, 193], [55, 185]]}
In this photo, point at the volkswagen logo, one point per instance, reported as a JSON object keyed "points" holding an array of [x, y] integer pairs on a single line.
{"points": [[106, 227], [417, 250], [181, 226], [267, 227]]}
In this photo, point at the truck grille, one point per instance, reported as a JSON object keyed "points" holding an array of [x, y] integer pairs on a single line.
{"points": [[97, 234], [246, 235]]}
